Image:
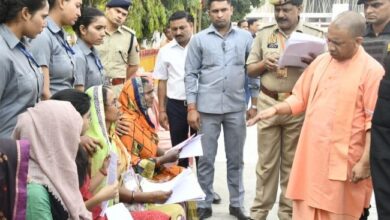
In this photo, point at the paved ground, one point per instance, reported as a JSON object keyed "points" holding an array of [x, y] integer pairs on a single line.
{"points": [[221, 211]]}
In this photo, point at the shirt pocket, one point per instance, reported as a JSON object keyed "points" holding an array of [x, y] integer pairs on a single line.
{"points": [[62, 67], [27, 87], [239, 57], [210, 57]]}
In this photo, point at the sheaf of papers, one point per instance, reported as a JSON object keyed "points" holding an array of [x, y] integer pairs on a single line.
{"points": [[299, 46], [192, 147], [184, 187], [111, 176], [118, 212]]}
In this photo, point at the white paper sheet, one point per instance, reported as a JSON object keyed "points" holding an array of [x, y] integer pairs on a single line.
{"points": [[111, 176], [118, 212], [192, 147], [299, 46], [185, 187]]}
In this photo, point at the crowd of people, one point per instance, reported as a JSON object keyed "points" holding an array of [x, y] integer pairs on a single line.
{"points": [[67, 111]]}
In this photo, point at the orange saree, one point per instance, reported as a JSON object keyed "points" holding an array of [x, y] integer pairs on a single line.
{"points": [[142, 139]]}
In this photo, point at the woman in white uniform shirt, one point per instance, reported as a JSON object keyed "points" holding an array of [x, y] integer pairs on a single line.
{"points": [[20, 77]]}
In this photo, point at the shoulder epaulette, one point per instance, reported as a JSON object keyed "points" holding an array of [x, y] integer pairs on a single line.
{"points": [[128, 29], [313, 27]]}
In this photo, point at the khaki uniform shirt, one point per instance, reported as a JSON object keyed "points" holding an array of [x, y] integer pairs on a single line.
{"points": [[270, 41], [114, 52]]}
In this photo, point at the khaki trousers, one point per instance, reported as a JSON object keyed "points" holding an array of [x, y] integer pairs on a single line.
{"points": [[277, 141]]}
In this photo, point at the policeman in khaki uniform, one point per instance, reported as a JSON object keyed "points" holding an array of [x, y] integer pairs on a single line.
{"points": [[277, 136], [120, 51]]}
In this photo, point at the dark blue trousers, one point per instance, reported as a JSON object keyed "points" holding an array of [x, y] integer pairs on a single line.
{"points": [[178, 125]]}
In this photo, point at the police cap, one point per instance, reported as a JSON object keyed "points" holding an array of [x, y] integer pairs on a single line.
{"points": [[283, 2], [125, 4]]}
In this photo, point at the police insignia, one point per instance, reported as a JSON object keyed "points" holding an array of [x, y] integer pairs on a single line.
{"points": [[272, 41]]}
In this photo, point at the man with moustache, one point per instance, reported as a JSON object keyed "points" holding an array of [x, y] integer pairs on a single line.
{"points": [[120, 51], [277, 136], [214, 83], [377, 44], [169, 71]]}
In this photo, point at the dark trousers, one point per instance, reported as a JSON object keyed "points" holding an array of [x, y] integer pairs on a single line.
{"points": [[178, 125], [380, 150]]}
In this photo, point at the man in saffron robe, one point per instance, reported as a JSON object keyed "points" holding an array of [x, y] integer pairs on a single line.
{"points": [[338, 91]]}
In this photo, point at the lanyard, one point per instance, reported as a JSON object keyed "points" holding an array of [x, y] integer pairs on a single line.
{"points": [[60, 37], [27, 54], [29, 57], [97, 62]]}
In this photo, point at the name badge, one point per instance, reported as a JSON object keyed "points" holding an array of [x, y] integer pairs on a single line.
{"points": [[282, 73], [272, 41]]}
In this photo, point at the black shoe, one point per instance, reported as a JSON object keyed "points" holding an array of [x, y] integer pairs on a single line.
{"points": [[238, 213], [204, 213], [216, 198]]}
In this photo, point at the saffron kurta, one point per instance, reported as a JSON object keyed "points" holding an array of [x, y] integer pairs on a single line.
{"points": [[319, 176]]}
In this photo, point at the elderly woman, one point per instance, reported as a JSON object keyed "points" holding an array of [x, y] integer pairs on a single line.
{"points": [[104, 114], [142, 140]]}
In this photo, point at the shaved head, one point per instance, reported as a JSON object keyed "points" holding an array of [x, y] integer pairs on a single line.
{"points": [[351, 21]]}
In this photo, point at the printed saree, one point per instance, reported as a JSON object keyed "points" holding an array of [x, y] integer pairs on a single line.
{"points": [[13, 179], [142, 139]]}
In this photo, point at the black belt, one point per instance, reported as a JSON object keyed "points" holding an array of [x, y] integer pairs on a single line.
{"points": [[181, 102]]}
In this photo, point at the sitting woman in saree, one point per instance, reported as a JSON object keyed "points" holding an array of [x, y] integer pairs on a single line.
{"points": [[13, 178], [142, 140], [104, 114], [53, 129]]}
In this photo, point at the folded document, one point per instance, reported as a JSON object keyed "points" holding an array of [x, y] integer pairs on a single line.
{"points": [[184, 187], [299, 46]]}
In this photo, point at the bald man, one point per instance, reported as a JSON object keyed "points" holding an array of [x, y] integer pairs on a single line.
{"points": [[338, 91]]}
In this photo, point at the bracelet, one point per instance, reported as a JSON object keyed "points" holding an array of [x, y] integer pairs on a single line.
{"points": [[191, 109], [162, 111], [103, 172], [254, 107], [132, 196]]}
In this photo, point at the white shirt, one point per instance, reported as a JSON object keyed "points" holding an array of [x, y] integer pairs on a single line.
{"points": [[170, 66]]}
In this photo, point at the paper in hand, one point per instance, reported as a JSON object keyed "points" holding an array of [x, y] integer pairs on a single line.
{"points": [[300, 46]]}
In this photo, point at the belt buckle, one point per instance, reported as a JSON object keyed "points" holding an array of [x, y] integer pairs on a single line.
{"points": [[185, 102], [283, 95]]}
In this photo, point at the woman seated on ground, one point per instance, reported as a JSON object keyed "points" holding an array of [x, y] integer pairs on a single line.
{"points": [[13, 178], [104, 114], [52, 171], [77, 98], [142, 140]]}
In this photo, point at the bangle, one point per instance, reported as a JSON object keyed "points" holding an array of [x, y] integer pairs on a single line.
{"points": [[103, 172], [162, 111], [132, 196], [192, 108], [254, 107]]}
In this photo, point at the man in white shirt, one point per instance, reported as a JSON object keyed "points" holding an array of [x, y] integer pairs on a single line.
{"points": [[169, 70]]}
